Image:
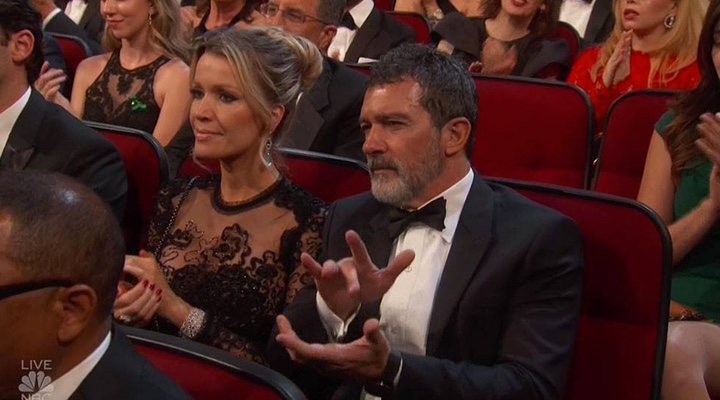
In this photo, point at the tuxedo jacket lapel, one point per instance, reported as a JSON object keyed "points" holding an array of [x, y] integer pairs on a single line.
{"points": [[307, 120], [364, 36], [471, 239], [599, 14], [93, 8], [21, 143]]}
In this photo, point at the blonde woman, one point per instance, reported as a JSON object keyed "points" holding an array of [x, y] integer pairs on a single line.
{"points": [[226, 249], [653, 45], [143, 82]]}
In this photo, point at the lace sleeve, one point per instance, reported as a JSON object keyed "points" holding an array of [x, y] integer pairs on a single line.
{"points": [[310, 242], [163, 212]]}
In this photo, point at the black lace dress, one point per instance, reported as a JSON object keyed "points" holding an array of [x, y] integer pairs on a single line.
{"points": [[124, 97], [239, 263]]}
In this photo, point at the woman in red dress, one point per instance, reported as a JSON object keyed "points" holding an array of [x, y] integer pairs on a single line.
{"points": [[653, 45]]}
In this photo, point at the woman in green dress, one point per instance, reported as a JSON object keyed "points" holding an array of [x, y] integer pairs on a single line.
{"points": [[681, 183]]}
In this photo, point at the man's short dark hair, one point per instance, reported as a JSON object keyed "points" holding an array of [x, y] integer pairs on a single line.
{"points": [[331, 11], [448, 90], [61, 229], [15, 16]]}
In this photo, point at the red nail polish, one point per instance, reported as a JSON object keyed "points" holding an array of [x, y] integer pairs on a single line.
{"points": [[145, 282], [159, 292], [152, 287]]}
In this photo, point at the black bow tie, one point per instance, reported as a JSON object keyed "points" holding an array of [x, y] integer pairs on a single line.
{"points": [[348, 22], [432, 215]]}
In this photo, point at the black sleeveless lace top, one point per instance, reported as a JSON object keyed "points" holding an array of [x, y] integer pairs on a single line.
{"points": [[240, 263], [124, 97]]}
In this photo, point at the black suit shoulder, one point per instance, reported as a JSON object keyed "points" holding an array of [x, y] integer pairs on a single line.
{"points": [[123, 374], [62, 24], [398, 32]]}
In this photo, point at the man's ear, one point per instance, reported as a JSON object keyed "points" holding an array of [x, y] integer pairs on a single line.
{"points": [[455, 136], [21, 46], [326, 37], [75, 307]]}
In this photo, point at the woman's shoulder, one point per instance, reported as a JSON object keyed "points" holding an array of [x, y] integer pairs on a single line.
{"points": [[172, 69], [179, 186], [93, 64], [299, 200]]}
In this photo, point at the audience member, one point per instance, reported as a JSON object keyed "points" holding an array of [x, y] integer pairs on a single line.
{"points": [[55, 21], [681, 183], [436, 10], [228, 247], [653, 45], [86, 14], [326, 117], [143, 83], [512, 40], [40, 135], [592, 19], [367, 33], [208, 15], [479, 298], [61, 254]]}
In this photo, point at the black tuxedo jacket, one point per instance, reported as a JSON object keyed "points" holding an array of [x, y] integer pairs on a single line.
{"points": [[326, 117], [379, 34], [601, 23], [124, 374], [505, 314], [62, 24], [46, 137], [92, 21]]}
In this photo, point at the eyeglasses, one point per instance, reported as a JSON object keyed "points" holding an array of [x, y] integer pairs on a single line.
{"points": [[293, 16], [20, 288]]}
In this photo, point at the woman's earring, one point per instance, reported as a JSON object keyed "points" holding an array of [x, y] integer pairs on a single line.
{"points": [[669, 21], [149, 19], [267, 152]]}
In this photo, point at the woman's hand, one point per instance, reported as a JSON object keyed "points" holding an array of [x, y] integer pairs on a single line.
{"points": [[709, 144], [137, 306], [498, 59], [49, 84], [146, 268], [617, 68]]}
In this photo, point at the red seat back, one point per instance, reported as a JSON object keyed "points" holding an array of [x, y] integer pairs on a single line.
{"points": [[74, 50], [146, 167], [416, 22], [204, 372], [384, 5], [620, 347], [630, 124], [326, 176], [566, 32], [533, 130]]}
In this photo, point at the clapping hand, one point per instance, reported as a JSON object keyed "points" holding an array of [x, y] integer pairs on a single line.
{"points": [[364, 358], [150, 295], [347, 283], [497, 58], [50, 81], [617, 68]]}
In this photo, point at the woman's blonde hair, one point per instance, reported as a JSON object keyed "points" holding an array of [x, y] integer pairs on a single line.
{"points": [[676, 50], [271, 67], [166, 31]]}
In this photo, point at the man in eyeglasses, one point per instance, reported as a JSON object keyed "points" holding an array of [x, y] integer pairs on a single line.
{"points": [[61, 255], [326, 117]]}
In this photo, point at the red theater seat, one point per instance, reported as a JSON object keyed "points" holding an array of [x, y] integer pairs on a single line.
{"points": [[326, 176], [620, 348], [630, 124], [533, 130], [417, 22], [384, 5], [146, 167], [206, 373]]}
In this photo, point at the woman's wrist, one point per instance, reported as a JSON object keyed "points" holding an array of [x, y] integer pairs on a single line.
{"points": [[177, 310], [710, 209]]}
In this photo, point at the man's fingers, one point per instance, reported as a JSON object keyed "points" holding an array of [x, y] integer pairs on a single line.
{"points": [[399, 263], [358, 250], [313, 267], [372, 332], [349, 272]]}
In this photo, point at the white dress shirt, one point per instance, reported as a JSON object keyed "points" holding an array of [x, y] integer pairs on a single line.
{"points": [[75, 10], [10, 116], [50, 16], [577, 13], [344, 36], [63, 387], [406, 308]]}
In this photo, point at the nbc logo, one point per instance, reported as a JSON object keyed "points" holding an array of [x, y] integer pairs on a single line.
{"points": [[34, 382]]}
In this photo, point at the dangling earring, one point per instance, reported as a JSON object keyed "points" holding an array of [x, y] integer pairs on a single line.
{"points": [[149, 19], [669, 21], [267, 152]]}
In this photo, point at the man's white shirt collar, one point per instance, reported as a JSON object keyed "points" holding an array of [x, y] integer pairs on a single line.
{"points": [[9, 117]]}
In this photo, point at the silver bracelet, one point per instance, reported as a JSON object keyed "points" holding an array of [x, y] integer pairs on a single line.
{"points": [[193, 324]]}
